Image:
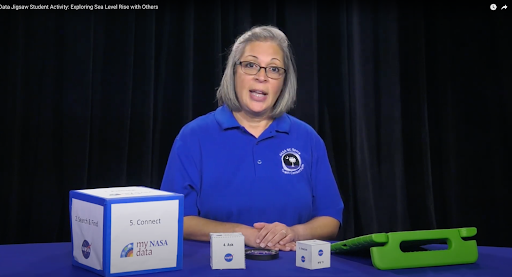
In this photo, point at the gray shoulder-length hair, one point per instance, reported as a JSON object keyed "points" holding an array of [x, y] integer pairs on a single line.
{"points": [[226, 92]]}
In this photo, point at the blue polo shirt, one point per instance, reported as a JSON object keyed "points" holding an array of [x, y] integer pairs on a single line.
{"points": [[228, 175]]}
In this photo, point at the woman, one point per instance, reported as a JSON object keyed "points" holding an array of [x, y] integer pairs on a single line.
{"points": [[249, 166]]}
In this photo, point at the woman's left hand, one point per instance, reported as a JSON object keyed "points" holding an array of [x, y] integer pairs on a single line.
{"points": [[274, 233]]}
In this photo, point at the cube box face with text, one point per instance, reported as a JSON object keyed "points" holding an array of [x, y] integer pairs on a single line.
{"points": [[313, 254], [126, 230]]}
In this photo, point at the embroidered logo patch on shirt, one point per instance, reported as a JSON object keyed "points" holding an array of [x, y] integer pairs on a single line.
{"points": [[290, 159]]}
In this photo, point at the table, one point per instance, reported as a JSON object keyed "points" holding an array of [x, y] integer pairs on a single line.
{"points": [[54, 259]]}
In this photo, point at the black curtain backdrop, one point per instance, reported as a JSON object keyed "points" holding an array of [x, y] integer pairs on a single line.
{"points": [[413, 103]]}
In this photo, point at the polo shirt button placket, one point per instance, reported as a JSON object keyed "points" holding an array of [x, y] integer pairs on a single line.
{"points": [[257, 155]]}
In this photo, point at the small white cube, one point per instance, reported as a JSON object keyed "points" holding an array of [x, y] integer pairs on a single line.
{"points": [[313, 254], [126, 230], [227, 251]]}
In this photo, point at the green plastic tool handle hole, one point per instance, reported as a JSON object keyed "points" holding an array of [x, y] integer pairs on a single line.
{"points": [[417, 246]]}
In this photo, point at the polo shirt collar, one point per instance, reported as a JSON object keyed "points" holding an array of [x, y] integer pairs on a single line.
{"points": [[282, 124], [227, 120]]}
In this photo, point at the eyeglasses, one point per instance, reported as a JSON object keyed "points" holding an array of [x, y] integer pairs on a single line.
{"points": [[251, 68]]}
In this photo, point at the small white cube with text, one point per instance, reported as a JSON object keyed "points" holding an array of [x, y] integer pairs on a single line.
{"points": [[313, 254], [126, 230], [227, 251]]}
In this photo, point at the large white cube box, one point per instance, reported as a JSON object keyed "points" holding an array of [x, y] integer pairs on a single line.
{"points": [[227, 251], [313, 254], [126, 230]]}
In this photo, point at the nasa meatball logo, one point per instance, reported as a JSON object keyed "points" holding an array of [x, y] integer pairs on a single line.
{"points": [[86, 249], [291, 161]]}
